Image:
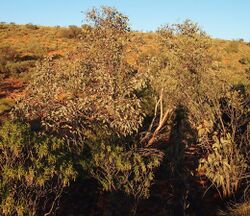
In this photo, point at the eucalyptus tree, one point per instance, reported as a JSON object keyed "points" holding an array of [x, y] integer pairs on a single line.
{"points": [[93, 90], [92, 97]]}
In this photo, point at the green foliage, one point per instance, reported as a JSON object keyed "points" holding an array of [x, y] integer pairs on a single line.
{"points": [[35, 47], [225, 165], [181, 74], [226, 137], [131, 171], [97, 91], [15, 68], [181, 68], [33, 167], [8, 55], [11, 62], [6, 104]]}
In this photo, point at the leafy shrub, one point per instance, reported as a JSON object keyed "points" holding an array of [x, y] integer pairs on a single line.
{"points": [[97, 91], [6, 104], [9, 54], [33, 168], [179, 74], [12, 63], [225, 165], [225, 137], [131, 171], [36, 49], [14, 68], [184, 61]]}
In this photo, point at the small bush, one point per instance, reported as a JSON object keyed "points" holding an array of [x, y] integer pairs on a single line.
{"points": [[33, 167], [31, 26], [12, 63], [71, 32], [6, 104], [8, 54], [36, 49], [225, 165], [225, 137], [3, 26], [14, 68], [233, 47], [244, 61], [130, 171]]}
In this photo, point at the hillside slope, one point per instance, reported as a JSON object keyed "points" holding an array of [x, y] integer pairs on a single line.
{"points": [[22, 46]]}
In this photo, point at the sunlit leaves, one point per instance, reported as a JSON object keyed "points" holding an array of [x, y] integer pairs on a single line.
{"points": [[131, 171], [96, 90], [32, 166], [225, 165]]}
